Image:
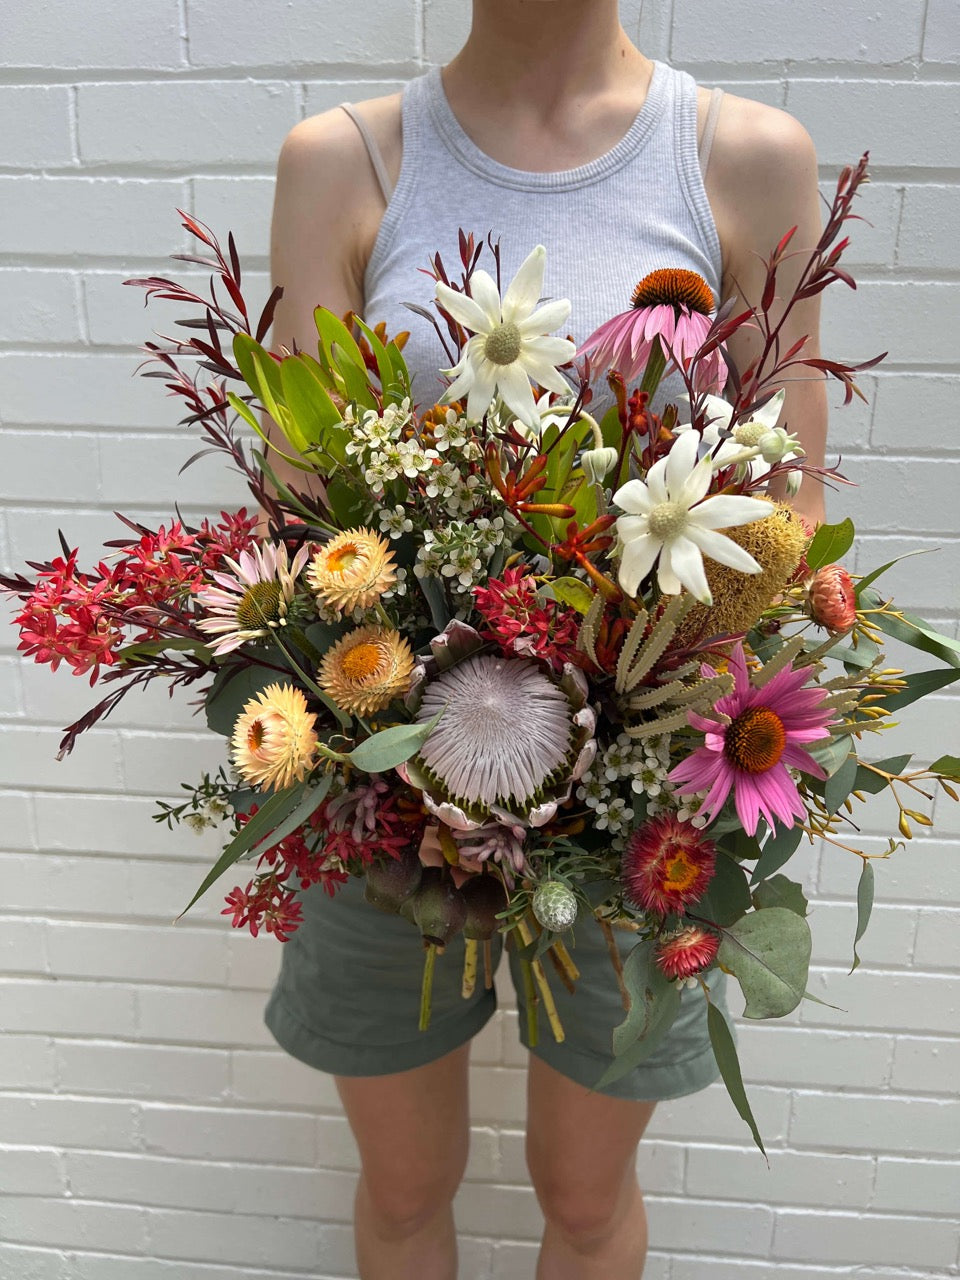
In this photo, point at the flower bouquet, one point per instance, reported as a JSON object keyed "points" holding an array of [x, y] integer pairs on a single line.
{"points": [[518, 664]]}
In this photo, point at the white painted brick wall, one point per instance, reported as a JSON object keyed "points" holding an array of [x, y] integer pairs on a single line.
{"points": [[150, 1128]]}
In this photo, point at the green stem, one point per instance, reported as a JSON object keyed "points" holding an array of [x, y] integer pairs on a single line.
{"points": [[530, 994], [426, 989]]}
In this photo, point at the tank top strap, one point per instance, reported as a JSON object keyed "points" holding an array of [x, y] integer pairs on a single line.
{"points": [[373, 149], [710, 129]]}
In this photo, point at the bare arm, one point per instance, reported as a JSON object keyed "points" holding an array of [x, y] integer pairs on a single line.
{"points": [[326, 213], [764, 181]]}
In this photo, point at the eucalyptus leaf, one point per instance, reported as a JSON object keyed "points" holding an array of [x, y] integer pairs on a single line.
{"points": [[840, 784], [725, 1052], [780, 891], [654, 1004], [273, 811], [864, 906], [390, 747], [875, 573], [949, 766], [872, 783], [778, 849], [768, 952], [830, 543], [232, 688], [911, 630], [918, 685], [830, 753], [727, 896]]}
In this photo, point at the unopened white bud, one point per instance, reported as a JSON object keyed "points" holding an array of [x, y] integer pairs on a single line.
{"points": [[598, 463]]}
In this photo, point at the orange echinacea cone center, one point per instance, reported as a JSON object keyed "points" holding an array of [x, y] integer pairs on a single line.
{"points": [[754, 742], [673, 287]]}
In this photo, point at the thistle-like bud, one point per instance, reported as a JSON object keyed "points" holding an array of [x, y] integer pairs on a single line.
{"points": [[555, 905], [598, 463], [833, 603]]}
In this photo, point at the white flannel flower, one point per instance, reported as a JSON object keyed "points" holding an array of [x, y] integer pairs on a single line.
{"points": [[758, 441], [510, 345], [669, 515]]}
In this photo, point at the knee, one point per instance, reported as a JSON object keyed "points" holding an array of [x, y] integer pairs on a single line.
{"points": [[407, 1197], [584, 1213]]}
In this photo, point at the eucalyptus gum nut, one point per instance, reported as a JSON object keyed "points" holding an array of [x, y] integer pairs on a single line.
{"points": [[439, 908], [389, 884], [484, 896]]}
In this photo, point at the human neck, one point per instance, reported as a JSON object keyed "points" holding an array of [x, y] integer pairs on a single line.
{"points": [[542, 51]]}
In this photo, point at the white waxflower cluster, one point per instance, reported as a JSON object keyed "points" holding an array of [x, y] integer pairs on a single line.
{"points": [[389, 448], [210, 814], [395, 521], [637, 767], [458, 552], [399, 588]]}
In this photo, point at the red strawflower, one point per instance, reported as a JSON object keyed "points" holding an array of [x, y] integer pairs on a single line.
{"points": [[686, 952], [666, 864], [524, 625], [833, 602]]}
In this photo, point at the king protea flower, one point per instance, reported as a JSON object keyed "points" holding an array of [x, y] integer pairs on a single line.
{"points": [[273, 742], [366, 669], [670, 314], [666, 864], [670, 516], [751, 750], [353, 570], [512, 739], [254, 598], [510, 345], [687, 951]]}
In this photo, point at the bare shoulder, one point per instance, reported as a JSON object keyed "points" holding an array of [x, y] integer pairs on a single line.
{"points": [[762, 178], [328, 203], [330, 138]]}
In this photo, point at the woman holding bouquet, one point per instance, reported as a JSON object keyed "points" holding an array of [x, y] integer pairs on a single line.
{"points": [[548, 126]]}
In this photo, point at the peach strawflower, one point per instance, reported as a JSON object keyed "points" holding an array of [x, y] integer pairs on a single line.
{"points": [[833, 603], [366, 669], [353, 570], [273, 742]]}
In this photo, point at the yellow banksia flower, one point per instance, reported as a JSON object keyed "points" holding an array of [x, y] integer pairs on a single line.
{"points": [[353, 570], [777, 543], [273, 742], [366, 670]]}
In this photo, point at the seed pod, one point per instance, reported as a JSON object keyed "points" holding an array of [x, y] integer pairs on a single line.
{"points": [[555, 905], [484, 896], [390, 883], [439, 908]]}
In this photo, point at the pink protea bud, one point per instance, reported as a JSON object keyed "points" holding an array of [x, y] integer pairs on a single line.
{"points": [[832, 600]]}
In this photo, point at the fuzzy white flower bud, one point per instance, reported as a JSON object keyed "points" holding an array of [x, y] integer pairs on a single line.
{"points": [[598, 463]]}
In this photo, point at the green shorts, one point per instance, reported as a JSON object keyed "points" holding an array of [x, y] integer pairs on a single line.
{"points": [[347, 1001]]}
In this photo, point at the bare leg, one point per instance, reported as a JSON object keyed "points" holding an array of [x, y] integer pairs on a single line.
{"points": [[413, 1132], [581, 1151]]}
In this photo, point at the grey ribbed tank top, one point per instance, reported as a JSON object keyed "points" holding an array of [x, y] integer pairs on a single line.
{"points": [[604, 224]]}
